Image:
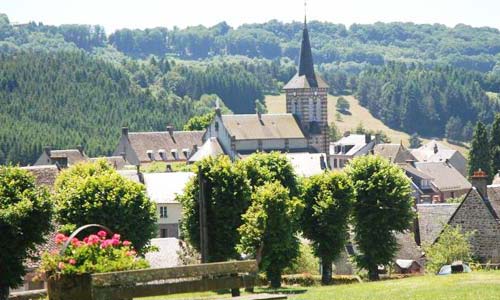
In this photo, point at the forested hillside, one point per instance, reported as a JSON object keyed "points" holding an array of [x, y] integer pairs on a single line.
{"points": [[75, 84]]}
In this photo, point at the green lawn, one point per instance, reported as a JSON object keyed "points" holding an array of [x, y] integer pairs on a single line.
{"points": [[476, 285]]}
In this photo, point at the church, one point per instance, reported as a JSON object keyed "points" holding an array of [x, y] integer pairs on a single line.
{"points": [[302, 129]]}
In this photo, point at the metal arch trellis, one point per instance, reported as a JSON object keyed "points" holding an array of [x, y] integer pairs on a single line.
{"points": [[77, 231]]}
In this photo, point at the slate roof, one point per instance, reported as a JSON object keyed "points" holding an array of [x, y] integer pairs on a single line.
{"points": [[142, 142], [307, 164], [395, 153], [44, 175], [269, 126], [72, 155], [301, 82], [445, 176], [132, 175], [211, 148], [432, 218], [412, 171], [163, 187], [118, 162], [167, 255], [352, 143], [408, 249], [426, 152], [494, 197], [48, 246]]}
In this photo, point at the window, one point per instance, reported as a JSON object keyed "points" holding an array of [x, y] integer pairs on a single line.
{"points": [[163, 233], [163, 212]]}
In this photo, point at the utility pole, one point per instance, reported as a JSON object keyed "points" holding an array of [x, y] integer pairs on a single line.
{"points": [[203, 218]]}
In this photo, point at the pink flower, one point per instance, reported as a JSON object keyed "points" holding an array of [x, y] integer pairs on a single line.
{"points": [[61, 266], [72, 261], [126, 243], [106, 243], [115, 242], [130, 253], [102, 234], [75, 242], [116, 236], [86, 240], [60, 238], [93, 239]]}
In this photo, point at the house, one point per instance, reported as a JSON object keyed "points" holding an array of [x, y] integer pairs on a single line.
{"points": [[423, 190], [431, 220], [210, 148], [62, 158], [140, 148], [409, 256], [349, 147], [408, 266], [162, 188], [437, 152], [240, 135], [308, 164], [395, 153], [44, 175], [447, 180], [117, 162]]}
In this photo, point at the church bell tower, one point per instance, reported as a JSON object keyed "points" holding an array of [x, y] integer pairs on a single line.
{"points": [[306, 99]]}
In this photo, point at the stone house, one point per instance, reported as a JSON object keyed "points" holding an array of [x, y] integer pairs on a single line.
{"points": [[395, 153], [62, 158], [423, 190], [162, 188], [142, 148], [437, 152], [349, 147]]}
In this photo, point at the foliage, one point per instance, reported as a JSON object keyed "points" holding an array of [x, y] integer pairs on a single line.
{"points": [[90, 193], [227, 197], [199, 122], [269, 229], [415, 141], [187, 254], [456, 199], [334, 133], [495, 145], [328, 201], [305, 262], [453, 129], [452, 245], [308, 279], [268, 167], [96, 253], [25, 218], [342, 104], [479, 154], [383, 206]]}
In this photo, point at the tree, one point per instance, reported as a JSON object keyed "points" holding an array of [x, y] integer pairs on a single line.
{"points": [[260, 107], [480, 152], [495, 145], [90, 193], [25, 218], [342, 104], [383, 206], [227, 196], [415, 141], [452, 245], [468, 132], [333, 132], [328, 200], [268, 167], [269, 229], [453, 129], [199, 122]]}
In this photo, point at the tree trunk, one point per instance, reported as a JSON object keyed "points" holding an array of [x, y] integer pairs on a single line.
{"points": [[274, 277], [4, 292], [326, 274], [373, 273]]}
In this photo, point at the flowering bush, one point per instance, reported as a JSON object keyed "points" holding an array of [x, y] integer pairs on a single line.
{"points": [[96, 253]]}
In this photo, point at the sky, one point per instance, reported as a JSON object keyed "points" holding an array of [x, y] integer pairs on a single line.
{"points": [[116, 14]]}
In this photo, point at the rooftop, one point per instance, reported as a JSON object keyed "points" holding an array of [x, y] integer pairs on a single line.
{"points": [[44, 175], [268, 126], [210, 148], [307, 164], [432, 218], [445, 176], [164, 187]]}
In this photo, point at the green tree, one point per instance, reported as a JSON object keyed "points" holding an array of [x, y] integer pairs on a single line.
{"points": [[468, 132], [334, 133], [453, 129], [269, 229], [342, 104], [383, 207], [25, 218], [480, 151], [90, 193], [260, 107], [227, 196], [199, 122], [495, 145], [452, 245], [328, 200], [264, 167], [415, 141]]}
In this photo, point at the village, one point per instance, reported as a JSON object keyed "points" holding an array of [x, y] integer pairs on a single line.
{"points": [[244, 194]]}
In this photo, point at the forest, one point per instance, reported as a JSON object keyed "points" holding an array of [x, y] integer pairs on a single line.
{"points": [[76, 84]]}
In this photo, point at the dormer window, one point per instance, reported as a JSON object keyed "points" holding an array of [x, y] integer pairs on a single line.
{"points": [[186, 152], [150, 154], [163, 154], [175, 155]]}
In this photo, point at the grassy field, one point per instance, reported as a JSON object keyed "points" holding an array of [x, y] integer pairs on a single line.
{"points": [[476, 285], [359, 114]]}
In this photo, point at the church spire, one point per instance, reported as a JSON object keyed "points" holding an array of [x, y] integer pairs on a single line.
{"points": [[306, 64]]}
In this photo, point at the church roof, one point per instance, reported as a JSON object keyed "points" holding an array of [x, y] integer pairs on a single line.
{"points": [[267, 126], [306, 77]]}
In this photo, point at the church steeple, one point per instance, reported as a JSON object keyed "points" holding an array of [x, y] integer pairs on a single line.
{"points": [[306, 64]]}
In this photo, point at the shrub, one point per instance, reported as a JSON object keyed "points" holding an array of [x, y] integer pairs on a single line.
{"points": [[305, 262]]}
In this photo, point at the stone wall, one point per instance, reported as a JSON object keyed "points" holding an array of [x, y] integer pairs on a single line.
{"points": [[475, 216]]}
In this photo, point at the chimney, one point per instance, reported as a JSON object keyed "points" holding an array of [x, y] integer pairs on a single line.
{"points": [[80, 149], [479, 180], [368, 138], [436, 148], [195, 148], [125, 131], [259, 115], [217, 108], [347, 133], [47, 150], [170, 130]]}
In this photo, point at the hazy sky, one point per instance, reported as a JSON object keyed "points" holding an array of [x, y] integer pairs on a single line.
{"points": [[115, 14]]}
